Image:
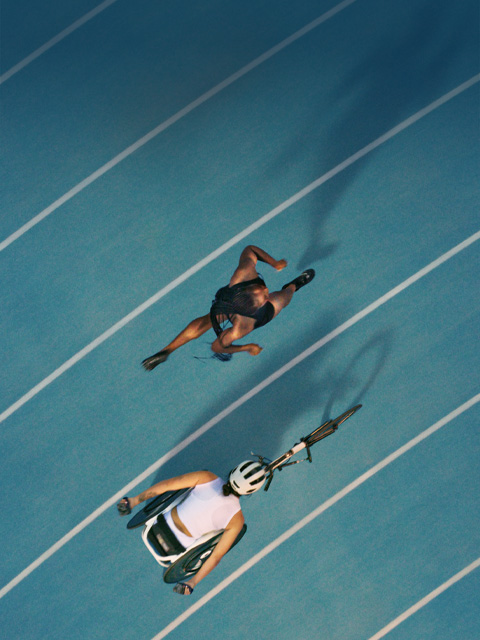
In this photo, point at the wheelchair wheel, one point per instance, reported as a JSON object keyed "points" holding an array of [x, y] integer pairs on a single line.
{"points": [[154, 507], [348, 414], [329, 427], [188, 564]]}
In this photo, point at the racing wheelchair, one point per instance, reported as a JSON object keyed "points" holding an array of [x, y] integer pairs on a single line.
{"points": [[181, 563]]}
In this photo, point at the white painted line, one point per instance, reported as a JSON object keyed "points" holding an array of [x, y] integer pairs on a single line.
{"points": [[314, 514], [238, 403], [431, 596], [51, 43], [167, 123], [228, 245]]}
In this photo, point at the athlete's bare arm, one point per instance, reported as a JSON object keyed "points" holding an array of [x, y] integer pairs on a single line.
{"points": [[229, 536], [173, 484], [241, 327], [249, 257]]}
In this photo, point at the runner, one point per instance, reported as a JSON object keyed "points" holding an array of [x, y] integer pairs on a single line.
{"points": [[243, 305]]}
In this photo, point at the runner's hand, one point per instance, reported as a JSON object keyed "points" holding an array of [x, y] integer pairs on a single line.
{"points": [[280, 264], [254, 349]]}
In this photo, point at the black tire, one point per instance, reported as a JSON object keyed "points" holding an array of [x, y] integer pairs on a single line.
{"points": [[348, 414], [188, 565], [330, 426], [154, 507]]}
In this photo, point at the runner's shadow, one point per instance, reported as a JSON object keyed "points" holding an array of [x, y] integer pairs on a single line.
{"points": [[401, 76]]}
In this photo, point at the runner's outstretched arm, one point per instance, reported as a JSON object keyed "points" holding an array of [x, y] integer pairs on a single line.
{"points": [[252, 348], [223, 344], [249, 257], [263, 256]]}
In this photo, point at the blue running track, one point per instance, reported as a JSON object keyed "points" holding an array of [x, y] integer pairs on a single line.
{"points": [[142, 149]]}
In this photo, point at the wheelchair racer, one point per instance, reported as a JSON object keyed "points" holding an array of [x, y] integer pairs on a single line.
{"points": [[212, 505]]}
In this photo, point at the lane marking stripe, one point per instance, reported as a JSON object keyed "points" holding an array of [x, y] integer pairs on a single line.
{"points": [[424, 601], [167, 123], [213, 421], [232, 242], [314, 514], [55, 40]]}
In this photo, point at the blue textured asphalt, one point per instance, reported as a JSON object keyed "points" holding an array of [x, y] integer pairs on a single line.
{"points": [[167, 206]]}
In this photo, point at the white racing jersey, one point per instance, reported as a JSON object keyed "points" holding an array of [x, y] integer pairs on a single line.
{"points": [[207, 509]]}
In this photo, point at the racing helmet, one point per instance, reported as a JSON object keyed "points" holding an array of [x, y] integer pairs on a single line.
{"points": [[247, 477]]}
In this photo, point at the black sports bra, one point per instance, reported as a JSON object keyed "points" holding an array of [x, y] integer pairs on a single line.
{"points": [[229, 301]]}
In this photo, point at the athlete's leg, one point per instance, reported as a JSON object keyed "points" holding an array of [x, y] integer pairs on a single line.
{"points": [[192, 331], [281, 299], [301, 280]]}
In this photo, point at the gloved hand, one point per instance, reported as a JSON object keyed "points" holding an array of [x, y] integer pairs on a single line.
{"points": [[183, 589], [123, 507]]}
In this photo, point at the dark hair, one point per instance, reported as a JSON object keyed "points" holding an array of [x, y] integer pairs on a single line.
{"points": [[228, 490], [230, 301]]}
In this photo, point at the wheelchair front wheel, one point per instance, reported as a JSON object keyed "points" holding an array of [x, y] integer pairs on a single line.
{"points": [[330, 426]]}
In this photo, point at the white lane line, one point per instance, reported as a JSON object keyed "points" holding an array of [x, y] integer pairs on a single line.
{"points": [[167, 123], [228, 245], [424, 601], [238, 403], [55, 40], [314, 514]]}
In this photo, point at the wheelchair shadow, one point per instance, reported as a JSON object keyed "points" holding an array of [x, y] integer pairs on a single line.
{"points": [[348, 387], [259, 424]]}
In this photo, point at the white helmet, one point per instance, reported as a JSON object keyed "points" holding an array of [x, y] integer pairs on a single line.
{"points": [[247, 477]]}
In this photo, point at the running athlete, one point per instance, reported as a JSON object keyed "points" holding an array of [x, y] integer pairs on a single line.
{"points": [[245, 303], [213, 505]]}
